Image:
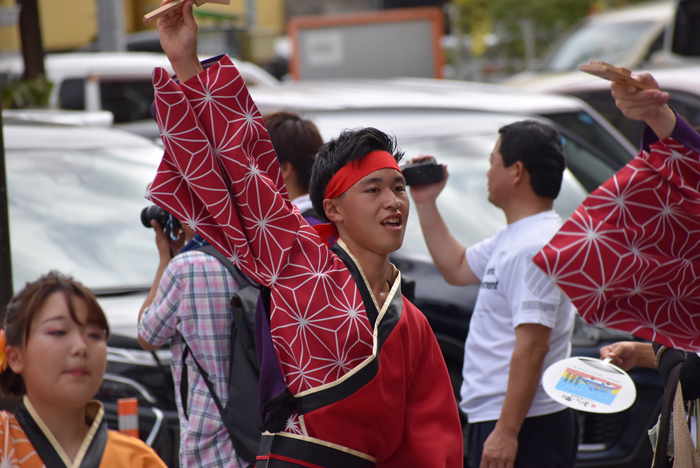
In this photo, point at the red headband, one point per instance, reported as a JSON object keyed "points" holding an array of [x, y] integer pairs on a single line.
{"points": [[348, 176], [352, 172]]}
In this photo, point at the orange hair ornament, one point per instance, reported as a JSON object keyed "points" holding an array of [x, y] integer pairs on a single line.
{"points": [[3, 357]]}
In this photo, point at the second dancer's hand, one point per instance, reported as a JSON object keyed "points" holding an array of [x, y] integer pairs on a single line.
{"points": [[649, 105]]}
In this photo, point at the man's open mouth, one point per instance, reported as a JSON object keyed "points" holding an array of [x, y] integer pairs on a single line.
{"points": [[394, 222]]}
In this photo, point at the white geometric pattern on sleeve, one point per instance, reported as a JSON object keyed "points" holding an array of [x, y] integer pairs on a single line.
{"points": [[220, 175], [629, 257]]}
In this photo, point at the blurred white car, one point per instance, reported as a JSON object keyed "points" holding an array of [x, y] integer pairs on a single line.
{"points": [[682, 83], [119, 82], [607, 148], [630, 37]]}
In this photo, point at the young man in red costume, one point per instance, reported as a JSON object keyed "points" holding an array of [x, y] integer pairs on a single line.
{"points": [[351, 373]]}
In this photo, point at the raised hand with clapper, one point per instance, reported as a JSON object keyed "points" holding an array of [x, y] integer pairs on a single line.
{"points": [[165, 9]]}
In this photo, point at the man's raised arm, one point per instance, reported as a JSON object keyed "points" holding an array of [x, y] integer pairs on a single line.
{"points": [[220, 174], [447, 252]]}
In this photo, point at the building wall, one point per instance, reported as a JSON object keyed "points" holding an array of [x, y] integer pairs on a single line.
{"points": [[72, 24], [332, 7], [327, 7], [9, 37]]}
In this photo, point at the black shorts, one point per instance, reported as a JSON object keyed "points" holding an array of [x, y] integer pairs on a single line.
{"points": [[544, 441]]}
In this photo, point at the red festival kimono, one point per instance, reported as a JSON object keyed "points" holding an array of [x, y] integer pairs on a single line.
{"points": [[629, 257], [361, 385]]}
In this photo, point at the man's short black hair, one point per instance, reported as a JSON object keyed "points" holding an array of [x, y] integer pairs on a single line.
{"points": [[296, 141], [539, 147], [336, 153]]}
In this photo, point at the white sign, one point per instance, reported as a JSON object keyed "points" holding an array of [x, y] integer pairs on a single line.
{"points": [[324, 48], [590, 385]]}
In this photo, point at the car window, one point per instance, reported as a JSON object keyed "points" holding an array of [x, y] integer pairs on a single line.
{"points": [[72, 94], [128, 100], [583, 125], [588, 168], [687, 105], [604, 41], [463, 203], [79, 212], [656, 46]]}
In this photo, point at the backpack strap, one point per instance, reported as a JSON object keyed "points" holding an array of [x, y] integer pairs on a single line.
{"points": [[184, 379], [660, 453], [205, 376], [240, 425], [245, 299], [241, 279], [242, 282]]}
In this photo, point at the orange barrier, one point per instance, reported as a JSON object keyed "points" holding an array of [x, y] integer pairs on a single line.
{"points": [[128, 410]]}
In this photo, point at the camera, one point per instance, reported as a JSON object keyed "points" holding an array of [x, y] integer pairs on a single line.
{"points": [[423, 172], [168, 222]]}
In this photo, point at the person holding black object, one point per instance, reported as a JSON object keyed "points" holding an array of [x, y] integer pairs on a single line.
{"points": [[522, 323]]}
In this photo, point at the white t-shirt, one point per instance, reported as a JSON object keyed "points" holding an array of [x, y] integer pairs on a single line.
{"points": [[303, 202], [513, 291]]}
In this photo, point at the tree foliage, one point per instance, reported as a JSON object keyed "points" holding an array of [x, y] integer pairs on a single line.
{"points": [[27, 94], [551, 17]]}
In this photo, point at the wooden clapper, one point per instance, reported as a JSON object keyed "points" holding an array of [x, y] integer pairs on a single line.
{"points": [[165, 9]]}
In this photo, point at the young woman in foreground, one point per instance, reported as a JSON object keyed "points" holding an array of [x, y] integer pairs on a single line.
{"points": [[53, 353]]}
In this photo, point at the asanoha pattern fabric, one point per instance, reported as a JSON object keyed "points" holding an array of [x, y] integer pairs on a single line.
{"points": [[15, 449], [231, 192], [629, 257]]}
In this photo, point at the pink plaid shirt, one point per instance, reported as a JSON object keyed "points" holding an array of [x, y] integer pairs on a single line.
{"points": [[192, 302]]}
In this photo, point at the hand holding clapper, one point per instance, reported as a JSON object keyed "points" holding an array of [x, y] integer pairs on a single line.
{"points": [[165, 9]]}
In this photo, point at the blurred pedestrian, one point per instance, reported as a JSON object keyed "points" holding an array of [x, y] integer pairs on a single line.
{"points": [[296, 142], [53, 354], [521, 323], [188, 307]]}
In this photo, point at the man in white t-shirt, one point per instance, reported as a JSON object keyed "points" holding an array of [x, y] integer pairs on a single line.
{"points": [[522, 322]]}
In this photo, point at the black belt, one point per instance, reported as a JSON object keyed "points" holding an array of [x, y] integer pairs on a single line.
{"points": [[279, 451]]}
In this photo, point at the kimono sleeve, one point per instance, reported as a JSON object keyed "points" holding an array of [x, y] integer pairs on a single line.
{"points": [[220, 174]]}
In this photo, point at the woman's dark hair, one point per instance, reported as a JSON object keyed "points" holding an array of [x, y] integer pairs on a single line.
{"points": [[539, 148], [23, 307], [347, 147], [296, 141]]}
